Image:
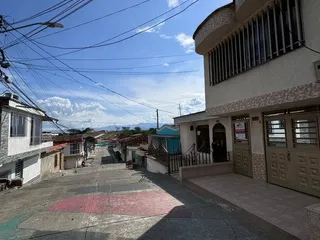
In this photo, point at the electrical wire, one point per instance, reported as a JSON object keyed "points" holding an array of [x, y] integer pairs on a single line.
{"points": [[111, 69], [103, 43], [90, 79], [130, 30], [43, 12], [105, 59], [96, 19], [63, 17]]}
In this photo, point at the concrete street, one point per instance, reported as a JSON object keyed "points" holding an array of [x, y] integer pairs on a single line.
{"points": [[110, 202]]}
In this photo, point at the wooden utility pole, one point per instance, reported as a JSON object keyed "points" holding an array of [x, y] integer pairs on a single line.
{"points": [[157, 118]]}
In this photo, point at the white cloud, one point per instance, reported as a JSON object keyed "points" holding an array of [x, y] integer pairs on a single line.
{"points": [[173, 3], [163, 93], [185, 41], [149, 29], [166, 65], [165, 36]]}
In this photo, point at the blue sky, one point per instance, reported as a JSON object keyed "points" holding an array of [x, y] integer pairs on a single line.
{"points": [[79, 105]]}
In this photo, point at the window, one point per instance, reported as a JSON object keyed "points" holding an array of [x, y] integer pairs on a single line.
{"points": [[274, 31], [276, 133], [74, 148], [18, 125], [55, 160], [36, 129], [240, 132], [305, 132]]}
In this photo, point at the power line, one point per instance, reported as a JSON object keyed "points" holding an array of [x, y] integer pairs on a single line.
{"points": [[63, 17], [43, 12], [96, 19], [90, 79], [106, 59], [128, 31], [167, 64], [115, 73], [103, 43]]}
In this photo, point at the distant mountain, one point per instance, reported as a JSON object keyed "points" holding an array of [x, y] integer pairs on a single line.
{"points": [[144, 126]]}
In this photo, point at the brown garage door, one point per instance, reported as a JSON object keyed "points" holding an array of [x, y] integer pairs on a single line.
{"points": [[241, 146], [292, 151]]}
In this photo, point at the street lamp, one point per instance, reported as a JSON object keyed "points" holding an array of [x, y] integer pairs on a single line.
{"points": [[48, 24]]}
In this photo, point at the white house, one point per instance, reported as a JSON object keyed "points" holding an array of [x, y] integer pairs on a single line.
{"points": [[262, 91], [20, 143], [74, 150]]}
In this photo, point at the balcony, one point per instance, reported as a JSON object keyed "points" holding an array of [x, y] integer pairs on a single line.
{"points": [[214, 27], [23, 145]]}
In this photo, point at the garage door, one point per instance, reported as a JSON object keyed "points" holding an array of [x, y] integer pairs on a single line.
{"points": [[292, 151], [242, 146]]}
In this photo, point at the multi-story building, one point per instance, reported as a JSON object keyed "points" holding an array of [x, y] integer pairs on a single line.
{"points": [[262, 91], [20, 139]]}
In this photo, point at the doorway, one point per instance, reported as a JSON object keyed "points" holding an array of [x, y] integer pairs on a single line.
{"points": [[292, 150], [219, 143], [242, 146]]}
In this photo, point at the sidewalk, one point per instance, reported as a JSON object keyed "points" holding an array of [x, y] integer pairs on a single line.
{"points": [[279, 206]]}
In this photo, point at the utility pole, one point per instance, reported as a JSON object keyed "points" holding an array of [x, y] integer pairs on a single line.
{"points": [[180, 108], [157, 118]]}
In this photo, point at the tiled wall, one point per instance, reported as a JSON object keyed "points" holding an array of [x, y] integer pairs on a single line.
{"points": [[259, 167]]}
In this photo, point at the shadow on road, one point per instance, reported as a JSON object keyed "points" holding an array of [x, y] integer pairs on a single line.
{"points": [[202, 219]]}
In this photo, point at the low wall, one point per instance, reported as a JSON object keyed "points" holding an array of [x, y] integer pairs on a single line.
{"points": [[155, 167], [313, 213], [205, 170]]}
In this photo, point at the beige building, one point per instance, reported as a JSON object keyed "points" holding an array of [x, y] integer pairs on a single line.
{"points": [[52, 161], [262, 91]]}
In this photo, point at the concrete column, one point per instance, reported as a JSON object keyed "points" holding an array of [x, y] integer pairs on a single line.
{"points": [[257, 146]]}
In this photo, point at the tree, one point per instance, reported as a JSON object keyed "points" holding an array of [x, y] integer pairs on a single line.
{"points": [[152, 130], [87, 130], [74, 131], [137, 129]]}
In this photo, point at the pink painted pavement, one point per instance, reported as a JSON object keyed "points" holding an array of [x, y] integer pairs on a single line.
{"points": [[147, 204]]}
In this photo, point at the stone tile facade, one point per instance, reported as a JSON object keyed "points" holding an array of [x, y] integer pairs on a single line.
{"points": [[259, 167], [217, 19], [299, 93], [4, 134]]}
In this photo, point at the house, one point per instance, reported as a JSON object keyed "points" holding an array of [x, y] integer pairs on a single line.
{"points": [[262, 91], [129, 147], [162, 145], [20, 139], [52, 161], [73, 151]]}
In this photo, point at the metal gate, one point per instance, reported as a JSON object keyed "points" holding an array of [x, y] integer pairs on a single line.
{"points": [[242, 146], [19, 169], [292, 150]]}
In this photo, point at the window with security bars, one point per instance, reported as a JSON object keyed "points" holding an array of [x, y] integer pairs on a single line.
{"points": [[273, 32], [18, 125], [276, 133], [305, 132], [74, 148]]}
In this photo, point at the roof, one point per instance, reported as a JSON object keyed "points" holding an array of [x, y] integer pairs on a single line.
{"points": [[207, 18], [56, 147], [134, 139], [68, 138], [190, 114]]}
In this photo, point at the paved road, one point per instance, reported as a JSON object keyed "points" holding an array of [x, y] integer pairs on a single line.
{"points": [[111, 202]]}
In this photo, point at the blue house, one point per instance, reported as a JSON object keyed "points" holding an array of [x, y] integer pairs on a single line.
{"points": [[167, 137]]}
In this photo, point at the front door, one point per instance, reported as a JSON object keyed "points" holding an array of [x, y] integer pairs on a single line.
{"points": [[219, 143], [292, 150], [242, 146]]}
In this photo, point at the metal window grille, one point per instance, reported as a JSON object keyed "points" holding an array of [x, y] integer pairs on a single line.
{"points": [[74, 148], [274, 31]]}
